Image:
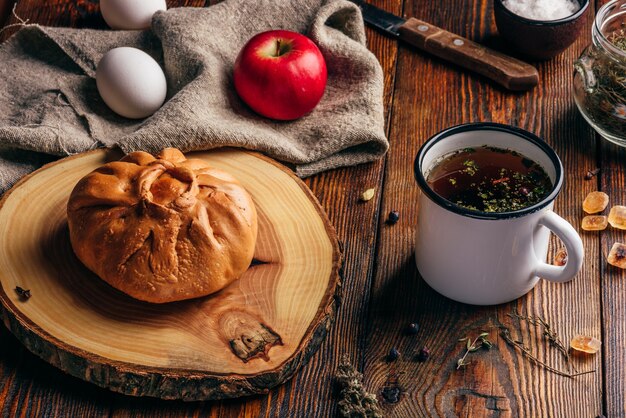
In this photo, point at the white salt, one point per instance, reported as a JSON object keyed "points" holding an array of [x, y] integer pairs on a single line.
{"points": [[542, 9]]}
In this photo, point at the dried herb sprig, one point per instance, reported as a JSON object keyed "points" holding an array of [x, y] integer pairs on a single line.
{"points": [[618, 38], [605, 102], [354, 401], [471, 346], [505, 333], [550, 334]]}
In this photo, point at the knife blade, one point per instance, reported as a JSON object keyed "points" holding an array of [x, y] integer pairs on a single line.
{"points": [[507, 71]]}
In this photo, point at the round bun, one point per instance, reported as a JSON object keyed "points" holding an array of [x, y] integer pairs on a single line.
{"points": [[162, 229]]}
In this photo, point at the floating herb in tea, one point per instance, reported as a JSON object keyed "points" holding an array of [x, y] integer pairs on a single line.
{"points": [[489, 179]]}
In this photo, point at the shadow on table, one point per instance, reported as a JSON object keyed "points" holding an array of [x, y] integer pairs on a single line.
{"points": [[403, 298], [30, 384], [30, 379]]}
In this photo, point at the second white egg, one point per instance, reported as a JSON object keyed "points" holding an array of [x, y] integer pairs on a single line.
{"points": [[131, 82], [130, 14]]}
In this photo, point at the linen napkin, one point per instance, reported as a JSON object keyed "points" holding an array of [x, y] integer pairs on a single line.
{"points": [[49, 103]]}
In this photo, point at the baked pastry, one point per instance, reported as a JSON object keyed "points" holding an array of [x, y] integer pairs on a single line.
{"points": [[162, 229]]}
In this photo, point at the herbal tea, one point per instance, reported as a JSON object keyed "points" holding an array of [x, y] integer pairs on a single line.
{"points": [[489, 179]]}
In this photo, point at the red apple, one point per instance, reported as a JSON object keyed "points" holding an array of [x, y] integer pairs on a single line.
{"points": [[280, 74]]}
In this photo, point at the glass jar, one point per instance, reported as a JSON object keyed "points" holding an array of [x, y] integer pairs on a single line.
{"points": [[600, 77]]}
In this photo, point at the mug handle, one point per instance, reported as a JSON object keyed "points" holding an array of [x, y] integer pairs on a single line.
{"points": [[573, 244]]}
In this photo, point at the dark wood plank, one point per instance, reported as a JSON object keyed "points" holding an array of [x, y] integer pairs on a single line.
{"points": [[82, 13], [78, 14], [28, 386], [309, 394], [31, 387], [612, 180], [5, 10], [356, 222], [430, 96]]}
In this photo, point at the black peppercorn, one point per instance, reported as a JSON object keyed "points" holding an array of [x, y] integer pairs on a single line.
{"points": [[393, 217], [23, 293], [412, 329], [393, 354], [391, 394], [423, 354], [592, 173]]}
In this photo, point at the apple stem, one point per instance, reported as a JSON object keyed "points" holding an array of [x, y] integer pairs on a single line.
{"points": [[278, 47]]}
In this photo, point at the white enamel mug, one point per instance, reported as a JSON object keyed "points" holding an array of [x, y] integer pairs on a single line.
{"points": [[489, 258]]}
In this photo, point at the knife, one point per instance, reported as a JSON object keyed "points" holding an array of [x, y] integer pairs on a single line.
{"points": [[509, 72]]}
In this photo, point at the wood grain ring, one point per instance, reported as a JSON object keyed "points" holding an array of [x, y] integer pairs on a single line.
{"points": [[167, 382]]}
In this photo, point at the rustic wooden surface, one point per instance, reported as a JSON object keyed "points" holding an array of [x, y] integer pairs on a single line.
{"points": [[382, 292], [244, 340]]}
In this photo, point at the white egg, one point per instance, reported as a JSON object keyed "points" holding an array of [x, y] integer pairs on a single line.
{"points": [[130, 14], [131, 82]]}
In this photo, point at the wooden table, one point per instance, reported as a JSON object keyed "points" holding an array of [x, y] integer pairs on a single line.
{"points": [[382, 290]]}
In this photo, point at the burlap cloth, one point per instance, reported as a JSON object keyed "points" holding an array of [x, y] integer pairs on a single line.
{"points": [[49, 104]]}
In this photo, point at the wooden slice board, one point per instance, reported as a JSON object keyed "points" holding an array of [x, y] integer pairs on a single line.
{"points": [[246, 339]]}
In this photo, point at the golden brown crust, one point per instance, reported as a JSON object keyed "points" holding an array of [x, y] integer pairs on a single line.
{"points": [[162, 229]]}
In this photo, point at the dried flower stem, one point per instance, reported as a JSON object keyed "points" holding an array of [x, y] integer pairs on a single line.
{"points": [[548, 332], [461, 362], [471, 347], [506, 335]]}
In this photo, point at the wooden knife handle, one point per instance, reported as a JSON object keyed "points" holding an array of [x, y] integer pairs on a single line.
{"points": [[504, 70]]}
